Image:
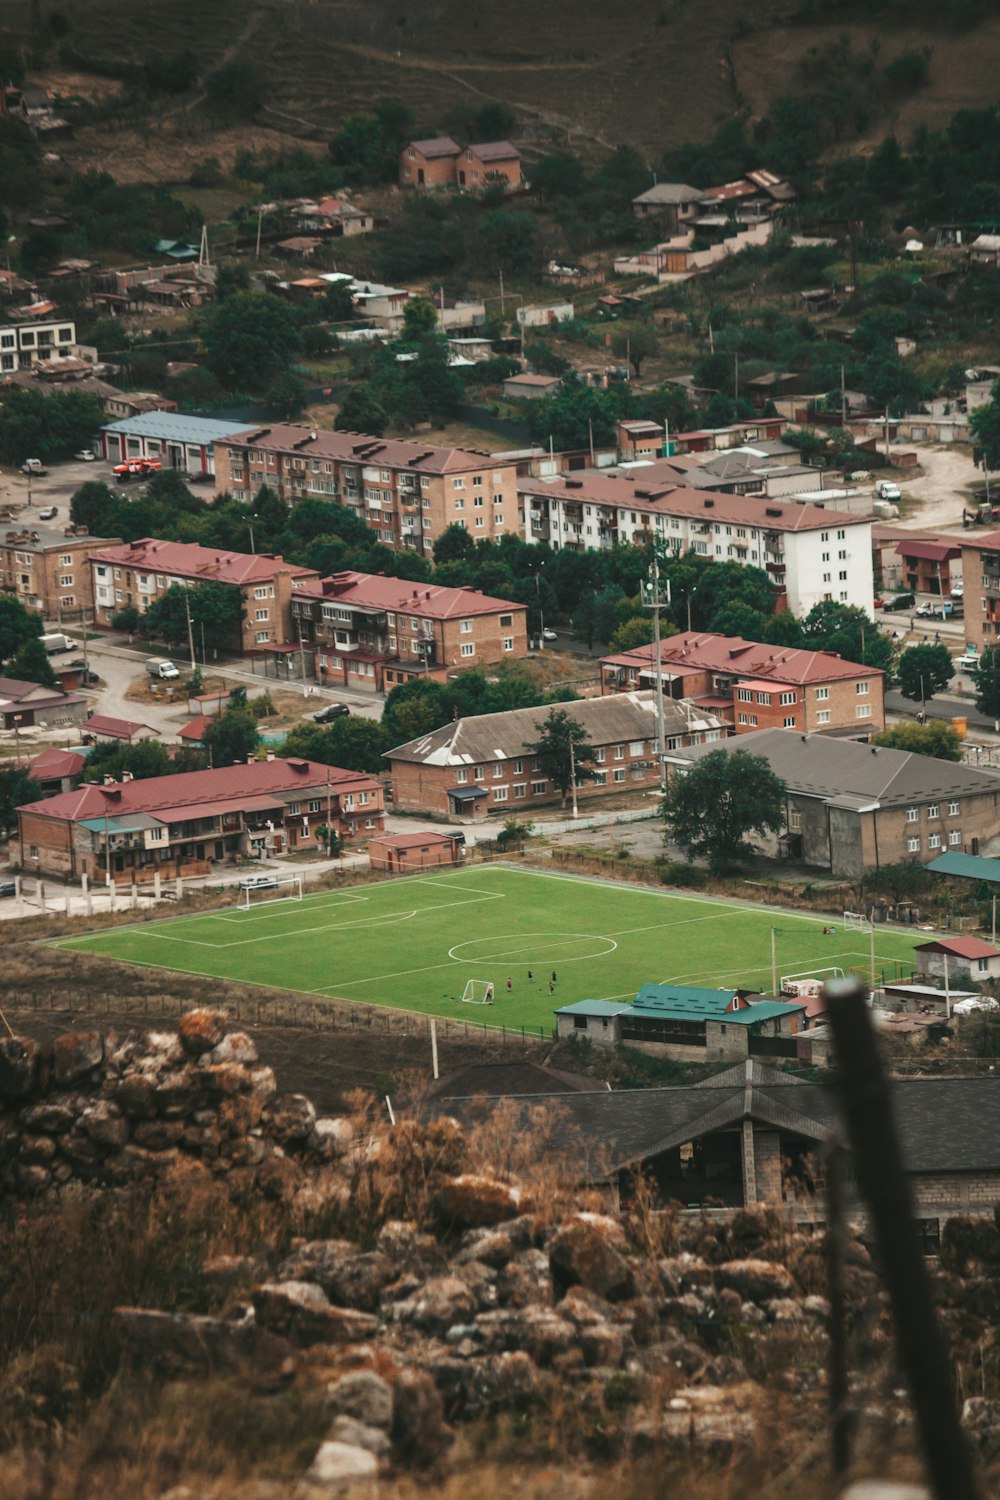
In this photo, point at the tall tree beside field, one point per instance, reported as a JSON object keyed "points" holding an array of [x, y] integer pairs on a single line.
{"points": [[562, 752], [711, 810]]}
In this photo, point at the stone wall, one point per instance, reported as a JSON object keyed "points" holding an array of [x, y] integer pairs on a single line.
{"points": [[111, 1108]]}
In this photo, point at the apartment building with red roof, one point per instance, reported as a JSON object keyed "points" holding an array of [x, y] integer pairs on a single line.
{"points": [[442, 162], [752, 685], [406, 492], [372, 632], [811, 554], [138, 573], [180, 825]]}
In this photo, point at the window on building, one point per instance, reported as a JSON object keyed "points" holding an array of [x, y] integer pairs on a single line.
{"points": [[506, 622], [498, 770], [478, 774], [789, 723], [500, 794], [66, 560], [461, 775], [538, 788], [862, 689], [518, 767], [933, 810], [863, 711], [465, 627], [912, 814], [787, 698], [508, 643], [953, 809], [619, 752], [600, 778], [913, 846], [620, 775], [260, 614], [822, 717], [934, 841], [955, 836], [468, 649], [822, 694], [520, 789], [66, 580]]}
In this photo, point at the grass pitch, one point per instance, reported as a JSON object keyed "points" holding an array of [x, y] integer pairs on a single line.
{"points": [[413, 943]]}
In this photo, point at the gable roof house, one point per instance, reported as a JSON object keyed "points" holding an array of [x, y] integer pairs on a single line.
{"points": [[752, 1134], [689, 1023], [672, 202], [853, 807], [23, 704]]}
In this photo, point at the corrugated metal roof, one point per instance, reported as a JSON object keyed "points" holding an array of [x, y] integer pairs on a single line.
{"points": [[174, 427], [968, 866]]}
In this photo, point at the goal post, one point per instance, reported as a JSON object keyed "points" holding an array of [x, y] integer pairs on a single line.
{"points": [[264, 892], [478, 992], [857, 920]]}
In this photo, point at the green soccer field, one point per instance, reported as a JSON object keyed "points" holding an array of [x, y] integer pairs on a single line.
{"points": [[413, 943]]}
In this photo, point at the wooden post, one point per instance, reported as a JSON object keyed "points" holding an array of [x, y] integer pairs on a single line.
{"points": [[862, 1090]]}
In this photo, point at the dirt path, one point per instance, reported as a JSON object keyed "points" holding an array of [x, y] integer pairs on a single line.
{"points": [[942, 490]]}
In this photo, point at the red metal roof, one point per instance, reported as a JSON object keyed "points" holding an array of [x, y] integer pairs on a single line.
{"points": [[119, 729], [202, 564], [195, 730], [399, 595], [635, 491], [933, 551], [415, 840], [961, 947], [732, 654], [362, 448], [52, 763]]}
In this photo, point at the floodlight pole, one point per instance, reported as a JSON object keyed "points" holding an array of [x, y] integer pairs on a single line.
{"points": [[774, 960], [654, 598], [572, 775], [993, 934]]}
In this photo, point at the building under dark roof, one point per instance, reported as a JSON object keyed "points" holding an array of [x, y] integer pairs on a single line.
{"points": [[509, 1080]]}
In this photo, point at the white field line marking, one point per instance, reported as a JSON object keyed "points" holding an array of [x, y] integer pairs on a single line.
{"points": [[765, 968], [268, 908], [533, 941]]}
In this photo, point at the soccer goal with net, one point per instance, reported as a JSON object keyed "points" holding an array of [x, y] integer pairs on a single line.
{"points": [[858, 920], [478, 992], [264, 888]]}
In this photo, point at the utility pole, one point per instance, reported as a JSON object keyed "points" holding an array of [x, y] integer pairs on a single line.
{"points": [[947, 989], [590, 430], [86, 659], [654, 598], [887, 459], [774, 960], [260, 216], [736, 375], [572, 774], [187, 611], [843, 399], [302, 654], [502, 301]]}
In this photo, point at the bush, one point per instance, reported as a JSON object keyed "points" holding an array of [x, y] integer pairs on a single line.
{"points": [[681, 872]]}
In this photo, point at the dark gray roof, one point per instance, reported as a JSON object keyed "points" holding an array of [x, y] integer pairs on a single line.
{"points": [[945, 1124], [510, 1079], [851, 774], [669, 192]]}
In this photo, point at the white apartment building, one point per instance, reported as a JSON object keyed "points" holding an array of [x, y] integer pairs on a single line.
{"points": [[811, 554], [23, 345]]}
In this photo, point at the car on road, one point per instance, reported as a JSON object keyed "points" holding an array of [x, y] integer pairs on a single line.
{"points": [[85, 455], [901, 601], [967, 662], [887, 490], [49, 513], [957, 591], [878, 604], [550, 635], [259, 883], [330, 712], [33, 466], [161, 668], [8, 888]]}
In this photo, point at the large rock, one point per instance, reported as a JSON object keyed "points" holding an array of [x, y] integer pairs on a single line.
{"points": [[718, 1423], [104, 1124], [19, 1058], [470, 1202], [419, 1432], [340, 1469], [202, 1029], [981, 1420], [235, 1047], [364, 1396], [526, 1281], [539, 1331], [581, 1253], [440, 1304], [756, 1280], [75, 1055], [185, 1342], [289, 1119], [332, 1137], [349, 1277], [51, 1117], [135, 1095], [301, 1312]]}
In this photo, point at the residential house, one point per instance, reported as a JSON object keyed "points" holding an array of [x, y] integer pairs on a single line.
{"points": [[945, 958], [671, 203], [407, 492], [529, 387], [487, 164], [179, 825], [366, 631], [400, 853], [298, 247], [174, 439], [57, 770], [117, 403], [754, 1134], [640, 440], [981, 580], [384, 305], [851, 807], [544, 314], [24, 704], [36, 339], [104, 729], [48, 571], [753, 685], [985, 250], [926, 563], [736, 435], [335, 217], [810, 554], [688, 1023], [140, 572], [482, 764], [429, 163]]}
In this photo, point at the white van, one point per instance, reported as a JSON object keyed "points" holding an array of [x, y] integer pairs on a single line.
{"points": [[59, 642], [161, 668]]}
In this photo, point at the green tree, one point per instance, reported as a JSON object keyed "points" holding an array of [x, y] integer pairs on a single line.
{"points": [[288, 394], [935, 738], [711, 809], [453, 545], [415, 708], [216, 615], [986, 677], [923, 671], [782, 629], [563, 752], [544, 360], [17, 788], [127, 619], [638, 346], [249, 339], [90, 506], [362, 411], [638, 631], [17, 625], [984, 423], [509, 239], [575, 413], [354, 743], [31, 663], [846, 631], [33, 425], [908, 880], [143, 759], [739, 619], [419, 318], [232, 737]]}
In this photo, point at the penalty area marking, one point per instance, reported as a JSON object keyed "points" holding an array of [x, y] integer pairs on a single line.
{"points": [[539, 944]]}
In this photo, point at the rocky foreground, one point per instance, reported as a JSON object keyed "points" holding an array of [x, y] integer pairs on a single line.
{"points": [[444, 1295]]}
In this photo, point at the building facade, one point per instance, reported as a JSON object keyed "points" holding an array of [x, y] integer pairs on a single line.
{"points": [[981, 578], [482, 765], [688, 1023], [752, 685], [370, 632], [139, 573], [180, 825], [810, 554], [407, 493], [851, 807], [24, 346], [442, 162], [50, 572], [173, 439]]}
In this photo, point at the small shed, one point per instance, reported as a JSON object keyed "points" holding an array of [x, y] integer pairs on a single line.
{"points": [[946, 956], [395, 853], [531, 387]]}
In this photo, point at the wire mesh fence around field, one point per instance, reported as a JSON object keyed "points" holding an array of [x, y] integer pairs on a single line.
{"points": [[277, 1010]]}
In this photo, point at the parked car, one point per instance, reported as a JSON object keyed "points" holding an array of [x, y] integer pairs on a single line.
{"points": [[550, 635], [878, 604], [85, 455], [57, 641], [258, 883], [33, 466], [330, 712], [957, 591], [8, 888], [887, 490], [49, 513], [901, 601]]}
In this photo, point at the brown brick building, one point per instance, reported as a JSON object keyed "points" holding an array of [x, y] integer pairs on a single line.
{"points": [[407, 493], [372, 632], [177, 825], [981, 577], [442, 162], [480, 765], [48, 571], [752, 685], [138, 573]]}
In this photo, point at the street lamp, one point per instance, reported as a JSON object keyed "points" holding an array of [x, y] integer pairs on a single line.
{"points": [[655, 595]]}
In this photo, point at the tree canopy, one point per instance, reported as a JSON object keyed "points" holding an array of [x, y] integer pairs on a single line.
{"points": [[923, 671], [935, 738], [711, 809], [250, 339]]}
